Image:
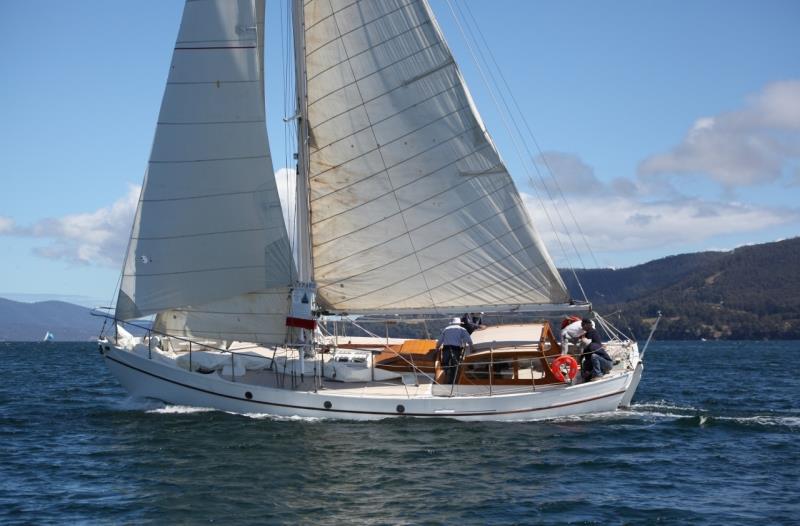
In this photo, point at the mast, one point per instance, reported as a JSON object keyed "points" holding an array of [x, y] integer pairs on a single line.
{"points": [[305, 265], [303, 292]]}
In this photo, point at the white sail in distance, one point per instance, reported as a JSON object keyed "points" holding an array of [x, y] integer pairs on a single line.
{"points": [[209, 241], [411, 206]]}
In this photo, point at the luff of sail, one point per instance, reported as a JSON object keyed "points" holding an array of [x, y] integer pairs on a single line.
{"points": [[209, 242], [411, 205]]}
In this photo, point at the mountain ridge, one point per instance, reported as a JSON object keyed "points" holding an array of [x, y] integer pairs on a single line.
{"points": [[750, 293]]}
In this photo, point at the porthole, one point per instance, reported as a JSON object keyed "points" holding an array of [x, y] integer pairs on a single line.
{"points": [[401, 408], [327, 405], [248, 395]]}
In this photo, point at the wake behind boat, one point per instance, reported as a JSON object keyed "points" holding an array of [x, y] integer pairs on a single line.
{"points": [[404, 209]]}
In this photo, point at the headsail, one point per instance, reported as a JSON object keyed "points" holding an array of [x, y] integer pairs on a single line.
{"points": [[411, 205], [209, 231]]}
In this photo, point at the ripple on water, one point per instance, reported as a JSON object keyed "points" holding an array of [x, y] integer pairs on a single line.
{"points": [[77, 449]]}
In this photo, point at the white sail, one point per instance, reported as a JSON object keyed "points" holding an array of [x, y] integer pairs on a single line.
{"points": [[411, 205], [255, 317], [209, 229]]}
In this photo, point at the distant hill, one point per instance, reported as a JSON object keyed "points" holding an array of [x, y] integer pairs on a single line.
{"points": [[752, 292], [30, 321]]}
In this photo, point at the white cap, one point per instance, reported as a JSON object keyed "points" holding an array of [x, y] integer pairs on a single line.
{"points": [[456, 320]]}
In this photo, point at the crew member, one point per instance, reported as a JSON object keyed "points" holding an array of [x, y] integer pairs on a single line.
{"points": [[472, 321], [571, 332], [453, 339], [596, 361]]}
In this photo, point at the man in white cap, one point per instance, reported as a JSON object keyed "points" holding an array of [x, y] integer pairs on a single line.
{"points": [[452, 340]]}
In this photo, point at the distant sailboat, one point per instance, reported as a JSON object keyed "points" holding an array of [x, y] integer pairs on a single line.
{"points": [[404, 208], [49, 337]]}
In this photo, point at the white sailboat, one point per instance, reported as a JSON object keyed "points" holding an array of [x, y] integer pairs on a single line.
{"points": [[404, 207], [49, 337]]}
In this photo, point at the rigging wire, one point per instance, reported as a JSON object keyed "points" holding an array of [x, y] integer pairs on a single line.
{"points": [[286, 46], [532, 137], [516, 137]]}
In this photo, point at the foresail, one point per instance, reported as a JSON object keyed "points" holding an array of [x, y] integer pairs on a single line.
{"points": [[411, 205], [254, 317], [209, 226]]}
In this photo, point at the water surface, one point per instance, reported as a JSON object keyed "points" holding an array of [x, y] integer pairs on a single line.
{"points": [[712, 438]]}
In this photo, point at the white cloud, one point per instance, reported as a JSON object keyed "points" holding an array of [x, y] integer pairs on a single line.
{"points": [[6, 225], [101, 237], [749, 146], [574, 175], [97, 238], [623, 224]]}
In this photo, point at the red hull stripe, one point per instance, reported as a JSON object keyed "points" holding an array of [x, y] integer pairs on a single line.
{"points": [[301, 322]]}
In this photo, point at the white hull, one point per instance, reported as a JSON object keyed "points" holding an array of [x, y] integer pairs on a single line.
{"points": [[149, 378]]}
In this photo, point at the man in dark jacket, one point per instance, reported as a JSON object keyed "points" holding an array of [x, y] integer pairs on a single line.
{"points": [[596, 361], [472, 321]]}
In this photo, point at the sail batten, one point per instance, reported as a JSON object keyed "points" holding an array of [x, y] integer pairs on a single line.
{"points": [[408, 195]]}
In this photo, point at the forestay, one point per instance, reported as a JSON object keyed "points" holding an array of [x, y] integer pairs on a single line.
{"points": [[411, 205], [208, 229]]}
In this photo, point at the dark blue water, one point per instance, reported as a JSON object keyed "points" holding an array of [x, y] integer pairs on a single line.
{"points": [[712, 438]]}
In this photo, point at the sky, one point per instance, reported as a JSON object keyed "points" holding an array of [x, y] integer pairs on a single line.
{"points": [[657, 127]]}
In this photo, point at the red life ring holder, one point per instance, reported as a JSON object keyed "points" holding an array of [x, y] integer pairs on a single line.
{"points": [[566, 359]]}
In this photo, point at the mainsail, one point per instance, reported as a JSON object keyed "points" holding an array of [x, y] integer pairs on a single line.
{"points": [[411, 206], [209, 250]]}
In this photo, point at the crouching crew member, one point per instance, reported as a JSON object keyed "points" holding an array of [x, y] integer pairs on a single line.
{"points": [[453, 339]]}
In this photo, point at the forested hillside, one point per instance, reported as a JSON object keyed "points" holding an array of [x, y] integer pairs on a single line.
{"points": [[752, 292]]}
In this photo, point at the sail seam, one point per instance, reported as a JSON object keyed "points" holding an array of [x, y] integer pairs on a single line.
{"points": [[395, 114], [376, 97], [485, 288], [382, 68], [429, 289], [207, 123], [368, 50], [421, 226], [383, 160], [237, 158], [430, 246], [203, 196], [217, 269], [396, 139], [215, 48], [488, 288], [389, 144], [180, 42], [405, 185], [333, 13], [401, 210], [201, 234], [364, 154], [213, 82]]}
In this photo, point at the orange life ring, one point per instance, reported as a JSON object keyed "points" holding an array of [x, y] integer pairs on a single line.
{"points": [[566, 359]]}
